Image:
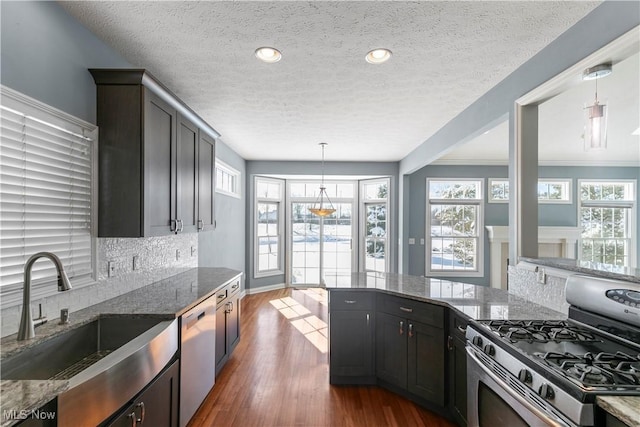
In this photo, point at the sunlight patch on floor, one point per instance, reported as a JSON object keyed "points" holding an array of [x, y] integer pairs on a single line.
{"points": [[309, 325]]}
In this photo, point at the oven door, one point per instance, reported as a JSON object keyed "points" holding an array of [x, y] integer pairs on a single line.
{"points": [[492, 402]]}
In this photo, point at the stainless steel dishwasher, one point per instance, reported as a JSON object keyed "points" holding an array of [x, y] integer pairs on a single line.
{"points": [[197, 357]]}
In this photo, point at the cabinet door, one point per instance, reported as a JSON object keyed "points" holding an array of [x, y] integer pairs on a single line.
{"points": [[426, 362], [159, 165], [187, 174], [233, 323], [222, 354], [351, 343], [458, 381], [206, 183], [156, 406], [391, 349]]}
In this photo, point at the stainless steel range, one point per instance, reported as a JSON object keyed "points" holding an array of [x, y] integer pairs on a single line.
{"points": [[547, 372]]}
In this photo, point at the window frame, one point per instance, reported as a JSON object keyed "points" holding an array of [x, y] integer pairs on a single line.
{"points": [[236, 174], [629, 204], [479, 202], [256, 238], [363, 202], [567, 184], [11, 295]]}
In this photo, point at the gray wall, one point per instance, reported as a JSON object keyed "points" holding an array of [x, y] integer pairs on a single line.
{"points": [[498, 213], [607, 22], [46, 54], [284, 169], [225, 246]]}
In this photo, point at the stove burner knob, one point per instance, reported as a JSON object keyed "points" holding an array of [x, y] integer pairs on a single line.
{"points": [[546, 391], [477, 340], [525, 376], [489, 349]]}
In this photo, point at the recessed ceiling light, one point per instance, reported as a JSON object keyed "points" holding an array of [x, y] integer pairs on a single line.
{"points": [[378, 56], [268, 54]]}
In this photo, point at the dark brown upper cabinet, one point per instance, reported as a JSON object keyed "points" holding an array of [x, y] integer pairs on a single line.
{"points": [[156, 159]]}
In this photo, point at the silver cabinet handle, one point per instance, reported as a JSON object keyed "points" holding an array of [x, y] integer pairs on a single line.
{"points": [[401, 327], [181, 225], [200, 224], [462, 330], [230, 306], [349, 301], [235, 286], [406, 310], [367, 319], [174, 226], [410, 330], [142, 412], [134, 419], [449, 343]]}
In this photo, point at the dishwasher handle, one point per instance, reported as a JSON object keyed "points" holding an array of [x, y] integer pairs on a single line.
{"points": [[193, 319]]}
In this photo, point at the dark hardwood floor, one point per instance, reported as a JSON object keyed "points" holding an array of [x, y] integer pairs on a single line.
{"points": [[278, 374]]}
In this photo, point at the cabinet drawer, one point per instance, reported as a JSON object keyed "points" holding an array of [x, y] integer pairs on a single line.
{"points": [[351, 300], [415, 310], [221, 295], [458, 325], [234, 287]]}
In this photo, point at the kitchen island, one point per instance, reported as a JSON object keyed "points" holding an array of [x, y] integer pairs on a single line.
{"points": [[166, 299], [348, 300]]}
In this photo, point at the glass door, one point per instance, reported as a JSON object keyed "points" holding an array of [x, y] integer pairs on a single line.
{"points": [[321, 250]]}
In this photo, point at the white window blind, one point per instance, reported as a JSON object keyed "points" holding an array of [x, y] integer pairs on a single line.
{"points": [[45, 191]]}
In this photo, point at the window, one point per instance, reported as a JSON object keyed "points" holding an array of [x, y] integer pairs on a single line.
{"points": [[227, 180], [374, 195], [549, 190], [455, 221], [268, 226], [46, 193], [607, 213]]}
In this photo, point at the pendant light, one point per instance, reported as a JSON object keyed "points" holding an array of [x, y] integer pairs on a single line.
{"points": [[595, 135], [320, 207]]}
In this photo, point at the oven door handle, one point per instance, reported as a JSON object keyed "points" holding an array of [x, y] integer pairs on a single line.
{"points": [[557, 422]]}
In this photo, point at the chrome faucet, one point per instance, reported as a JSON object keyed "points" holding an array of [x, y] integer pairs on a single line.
{"points": [[26, 330]]}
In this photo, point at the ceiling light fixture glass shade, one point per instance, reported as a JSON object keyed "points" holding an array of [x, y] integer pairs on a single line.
{"points": [[595, 135], [268, 54], [322, 207], [378, 56]]}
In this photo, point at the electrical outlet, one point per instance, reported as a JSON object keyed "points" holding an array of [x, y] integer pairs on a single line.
{"points": [[177, 254], [136, 262], [412, 241], [193, 250], [541, 276], [422, 241], [111, 268]]}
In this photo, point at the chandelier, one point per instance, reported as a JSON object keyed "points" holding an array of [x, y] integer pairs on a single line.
{"points": [[321, 207]]}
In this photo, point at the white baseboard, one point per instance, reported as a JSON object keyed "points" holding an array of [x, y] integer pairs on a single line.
{"points": [[268, 288]]}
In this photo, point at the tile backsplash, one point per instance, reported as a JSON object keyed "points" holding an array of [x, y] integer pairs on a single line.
{"points": [[157, 258], [551, 294]]}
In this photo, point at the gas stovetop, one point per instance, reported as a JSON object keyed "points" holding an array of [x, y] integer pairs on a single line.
{"points": [[588, 359]]}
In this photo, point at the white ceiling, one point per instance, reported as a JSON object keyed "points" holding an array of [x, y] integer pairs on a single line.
{"points": [[445, 56], [562, 121]]}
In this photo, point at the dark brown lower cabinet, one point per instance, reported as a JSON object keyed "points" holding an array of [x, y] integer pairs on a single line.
{"points": [[410, 355], [155, 406], [227, 322], [457, 369]]}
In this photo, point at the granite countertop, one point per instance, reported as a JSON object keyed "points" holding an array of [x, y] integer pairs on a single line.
{"points": [[168, 298], [474, 301], [607, 271], [625, 408]]}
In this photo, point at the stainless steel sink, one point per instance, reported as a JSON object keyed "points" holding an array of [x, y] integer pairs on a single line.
{"points": [[107, 362]]}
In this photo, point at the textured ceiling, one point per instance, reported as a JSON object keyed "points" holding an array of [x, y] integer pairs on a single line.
{"points": [[445, 56]]}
